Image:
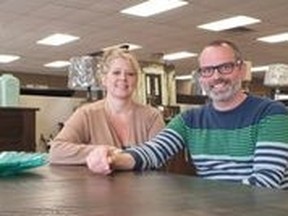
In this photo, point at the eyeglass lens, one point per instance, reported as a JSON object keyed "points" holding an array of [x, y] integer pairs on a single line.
{"points": [[225, 68]]}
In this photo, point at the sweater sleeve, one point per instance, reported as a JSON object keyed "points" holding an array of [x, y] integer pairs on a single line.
{"points": [[70, 145], [155, 153], [271, 153]]}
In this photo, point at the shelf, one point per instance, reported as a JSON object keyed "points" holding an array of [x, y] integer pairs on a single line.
{"points": [[47, 92], [191, 99]]}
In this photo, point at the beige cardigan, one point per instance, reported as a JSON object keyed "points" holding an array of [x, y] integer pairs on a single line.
{"points": [[89, 126]]}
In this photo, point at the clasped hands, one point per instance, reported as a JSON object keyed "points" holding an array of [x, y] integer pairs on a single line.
{"points": [[100, 159]]}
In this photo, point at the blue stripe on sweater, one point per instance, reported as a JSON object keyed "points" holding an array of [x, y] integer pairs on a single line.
{"points": [[208, 118]]}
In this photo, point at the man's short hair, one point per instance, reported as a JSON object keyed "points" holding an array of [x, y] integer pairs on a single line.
{"points": [[233, 46]]}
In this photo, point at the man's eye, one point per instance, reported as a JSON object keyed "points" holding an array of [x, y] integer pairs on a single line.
{"points": [[207, 70], [227, 66]]}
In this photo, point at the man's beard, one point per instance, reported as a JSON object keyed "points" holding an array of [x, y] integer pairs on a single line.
{"points": [[231, 89]]}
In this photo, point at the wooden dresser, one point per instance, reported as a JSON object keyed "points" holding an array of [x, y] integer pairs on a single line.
{"points": [[17, 129]]}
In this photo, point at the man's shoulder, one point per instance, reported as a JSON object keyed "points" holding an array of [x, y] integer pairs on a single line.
{"points": [[267, 104], [197, 109]]}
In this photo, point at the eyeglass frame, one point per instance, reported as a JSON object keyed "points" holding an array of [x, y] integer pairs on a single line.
{"points": [[220, 68]]}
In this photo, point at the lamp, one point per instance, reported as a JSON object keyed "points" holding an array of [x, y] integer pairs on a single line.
{"points": [[276, 76], [83, 74]]}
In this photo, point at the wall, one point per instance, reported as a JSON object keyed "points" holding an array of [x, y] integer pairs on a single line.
{"points": [[41, 80], [184, 87], [52, 111]]}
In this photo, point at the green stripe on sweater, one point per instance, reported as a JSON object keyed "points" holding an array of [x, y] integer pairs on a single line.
{"points": [[237, 142]]}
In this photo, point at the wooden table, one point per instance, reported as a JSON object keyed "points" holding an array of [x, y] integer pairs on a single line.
{"points": [[74, 191]]}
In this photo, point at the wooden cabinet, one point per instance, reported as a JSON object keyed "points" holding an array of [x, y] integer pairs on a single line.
{"points": [[17, 129]]}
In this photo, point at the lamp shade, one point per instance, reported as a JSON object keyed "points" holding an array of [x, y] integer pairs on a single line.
{"points": [[276, 76], [83, 72]]}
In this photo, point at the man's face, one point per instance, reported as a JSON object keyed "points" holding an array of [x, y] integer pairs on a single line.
{"points": [[220, 86]]}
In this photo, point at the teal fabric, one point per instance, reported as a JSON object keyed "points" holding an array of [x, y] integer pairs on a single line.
{"points": [[12, 162]]}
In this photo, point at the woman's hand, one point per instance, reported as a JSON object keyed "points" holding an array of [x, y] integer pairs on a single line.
{"points": [[99, 160]]}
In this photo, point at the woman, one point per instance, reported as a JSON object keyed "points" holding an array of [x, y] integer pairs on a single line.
{"points": [[116, 120]]}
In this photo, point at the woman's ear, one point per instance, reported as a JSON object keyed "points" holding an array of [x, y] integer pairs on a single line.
{"points": [[103, 80]]}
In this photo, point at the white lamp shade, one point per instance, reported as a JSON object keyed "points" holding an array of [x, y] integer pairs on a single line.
{"points": [[83, 72], [276, 76]]}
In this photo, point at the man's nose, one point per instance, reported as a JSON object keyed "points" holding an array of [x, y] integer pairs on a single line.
{"points": [[216, 74]]}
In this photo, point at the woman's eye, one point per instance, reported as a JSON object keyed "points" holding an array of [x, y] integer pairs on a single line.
{"points": [[116, 72], [131, 74]]}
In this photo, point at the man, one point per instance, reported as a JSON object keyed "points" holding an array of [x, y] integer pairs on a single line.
{"points": [[236, 137]]}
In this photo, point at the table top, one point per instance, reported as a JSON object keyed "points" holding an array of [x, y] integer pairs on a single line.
{"points": [[74, 191]]}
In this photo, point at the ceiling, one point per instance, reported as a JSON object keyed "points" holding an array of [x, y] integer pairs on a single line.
{"points": [[99, 24]]}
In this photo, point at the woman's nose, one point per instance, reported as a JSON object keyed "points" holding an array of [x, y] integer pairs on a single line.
{"points": [[123, 75]]}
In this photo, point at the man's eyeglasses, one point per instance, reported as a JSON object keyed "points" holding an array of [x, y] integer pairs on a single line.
{"points": [[224, 69]]}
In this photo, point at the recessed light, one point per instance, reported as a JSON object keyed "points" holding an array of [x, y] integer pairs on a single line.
{"points": [[276, 38], [152, 7], [178, 55], [57, 64], [57, 39], [229, 23], [8, 58]]}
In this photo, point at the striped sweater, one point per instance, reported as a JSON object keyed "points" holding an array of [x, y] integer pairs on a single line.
{"points": [[248, 144]]}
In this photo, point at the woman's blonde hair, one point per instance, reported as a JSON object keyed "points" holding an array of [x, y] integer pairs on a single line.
{"points": [[111, 54]]}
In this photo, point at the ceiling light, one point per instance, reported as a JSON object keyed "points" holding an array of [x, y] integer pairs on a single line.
{"points": [[184, 77], [57, 39], [229, 23], [8, 58], [57, 64], [275, 38], [178, 55], [152, 7], [260, 68], [129, 45]]}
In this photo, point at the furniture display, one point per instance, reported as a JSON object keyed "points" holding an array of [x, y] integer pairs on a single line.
{"points": [[17, 129], [75, 191]]}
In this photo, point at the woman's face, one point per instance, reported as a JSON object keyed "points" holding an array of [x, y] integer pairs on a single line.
{"points": [[121, 79]]}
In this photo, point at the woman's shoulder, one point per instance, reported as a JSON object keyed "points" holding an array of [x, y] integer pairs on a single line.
{"points": [[97, 106], [147, 113]]}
